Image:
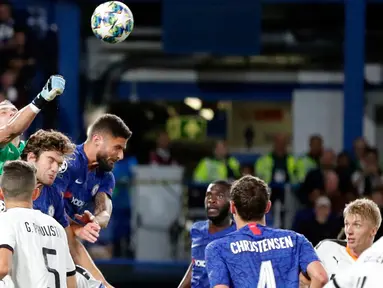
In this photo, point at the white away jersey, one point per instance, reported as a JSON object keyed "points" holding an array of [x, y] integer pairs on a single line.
{"points": [[334, 256], [40, 248], [366, 272], [85, 280]]}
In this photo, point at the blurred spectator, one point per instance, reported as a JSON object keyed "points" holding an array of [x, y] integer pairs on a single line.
{"points": [[321, 224], [12, 37], [220, 166], [246, 170], [360, 146], [370, 175], [277, 166], [315, 179], [7, 84], [310, 161], [377, 197], [162, 154], [344, 169], [249, 137]]}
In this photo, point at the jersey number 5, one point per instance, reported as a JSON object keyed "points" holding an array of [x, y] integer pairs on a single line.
{"points": [[55, 273], [266, 276]]}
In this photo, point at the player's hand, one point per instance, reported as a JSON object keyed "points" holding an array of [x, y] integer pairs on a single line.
{"points": [[85, 218], [90, 232], [55, 86]]}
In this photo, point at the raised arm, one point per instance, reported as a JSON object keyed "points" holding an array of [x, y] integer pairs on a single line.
{"points": [[22, 119]]}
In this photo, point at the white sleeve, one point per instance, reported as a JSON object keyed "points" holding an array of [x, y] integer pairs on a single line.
{"points": [[7, 234], [70, 267], [322, 251]]}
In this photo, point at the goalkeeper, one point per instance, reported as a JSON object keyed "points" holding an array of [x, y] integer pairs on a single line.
{"points": [[13, 122]]}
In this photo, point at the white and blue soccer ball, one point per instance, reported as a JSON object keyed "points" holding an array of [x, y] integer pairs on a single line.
{"points": [[112, 22]]}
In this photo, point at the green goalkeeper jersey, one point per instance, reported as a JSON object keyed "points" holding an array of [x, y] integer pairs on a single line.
{"points": [[10, 152]]}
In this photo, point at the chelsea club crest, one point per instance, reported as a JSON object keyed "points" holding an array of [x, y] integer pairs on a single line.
{"points": [[51, 210], [95, 189]]}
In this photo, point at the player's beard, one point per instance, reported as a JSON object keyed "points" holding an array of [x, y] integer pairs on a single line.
{"points": [[103, 163], [223, 214]]}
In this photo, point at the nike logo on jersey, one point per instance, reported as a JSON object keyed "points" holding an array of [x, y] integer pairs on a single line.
{"points": [[78, 181]]}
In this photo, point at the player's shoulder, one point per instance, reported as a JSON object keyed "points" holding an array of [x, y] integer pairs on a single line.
{"points": [[199, 227], [331, 244], [276, 233], [75, 161]]}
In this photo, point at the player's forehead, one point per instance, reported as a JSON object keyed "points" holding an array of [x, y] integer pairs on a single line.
{"points": [[52, 154], [7, 108], [215, 188], [116, 141], [354, 218]]}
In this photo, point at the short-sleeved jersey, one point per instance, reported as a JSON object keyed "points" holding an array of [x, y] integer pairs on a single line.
{"points": [[10, 152], [40, 248], [200, 237], [259, 256], [334, 256], [366, 272], [80, 185], [85, 280], [50, 202]]}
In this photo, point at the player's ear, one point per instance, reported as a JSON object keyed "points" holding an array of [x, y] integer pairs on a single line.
{"points": [[232, 208], [35, 194], [268, 207], [97, 139], [31, 157]]}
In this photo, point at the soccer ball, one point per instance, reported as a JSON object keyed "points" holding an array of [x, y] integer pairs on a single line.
{"points": [[112, 22]]}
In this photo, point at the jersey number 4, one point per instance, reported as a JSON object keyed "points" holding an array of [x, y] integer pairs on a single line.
{"points": [[266, 276], [46, 252], [361, 282]]}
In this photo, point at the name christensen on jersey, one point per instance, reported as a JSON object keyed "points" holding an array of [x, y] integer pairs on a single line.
{"points": [[262, 245], [334, 256]]}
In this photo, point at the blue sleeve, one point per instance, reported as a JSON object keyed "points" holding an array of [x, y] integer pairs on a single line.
{"points": [[216, 266], [60, 214], [107, 184], [306, 252]]}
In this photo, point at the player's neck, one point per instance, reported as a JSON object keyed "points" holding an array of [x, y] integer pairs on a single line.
{"points": [[216, 227], [90, 155], [241, 223], [18, 204]]}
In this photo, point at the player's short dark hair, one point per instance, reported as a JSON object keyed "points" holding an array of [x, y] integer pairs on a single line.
{"points": [[42, 141], [18, 180], [224, 183], [111, 124], [250, 196]]}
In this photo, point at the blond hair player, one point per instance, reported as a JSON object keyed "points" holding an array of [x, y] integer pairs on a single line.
{"points": [[362, 220]]}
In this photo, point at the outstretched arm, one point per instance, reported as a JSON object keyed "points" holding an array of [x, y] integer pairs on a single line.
{"points": [[23, 118]]}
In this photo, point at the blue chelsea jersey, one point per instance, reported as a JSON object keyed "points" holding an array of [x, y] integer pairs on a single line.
{"points": [[259, 256], [200, 238], [50, 202], [80, 185]]}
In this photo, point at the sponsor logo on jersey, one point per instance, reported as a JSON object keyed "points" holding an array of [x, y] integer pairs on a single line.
{"points": [[51, 210], [199, 263], [95, 189], [77, 202], [68, 194]]}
